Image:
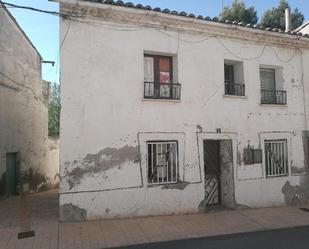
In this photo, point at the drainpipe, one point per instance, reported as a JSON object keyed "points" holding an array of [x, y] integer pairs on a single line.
{"points": [[287, 20]]}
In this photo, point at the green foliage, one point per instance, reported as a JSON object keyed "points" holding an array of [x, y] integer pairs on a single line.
{"points": [[54, 111], [238, 12], [275, 17]]}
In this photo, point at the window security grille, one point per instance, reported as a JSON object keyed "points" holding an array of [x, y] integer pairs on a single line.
{"points": [[162, 162], [276, 158]]}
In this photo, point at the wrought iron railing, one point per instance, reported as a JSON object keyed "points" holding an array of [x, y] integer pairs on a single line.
{"points": [[275, 97], [235, 89], [153, 90]]}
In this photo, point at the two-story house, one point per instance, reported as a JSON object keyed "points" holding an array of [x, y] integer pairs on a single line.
{"points": [[166, 112], [304, 29]]}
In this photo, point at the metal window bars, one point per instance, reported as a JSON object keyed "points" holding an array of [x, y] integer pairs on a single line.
{"points": [[154, 90], [274, 97], [234, 89], [162, 162], [276, 158]]}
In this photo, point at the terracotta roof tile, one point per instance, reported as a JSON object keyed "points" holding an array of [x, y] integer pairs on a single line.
{"points": [[190, 15]]}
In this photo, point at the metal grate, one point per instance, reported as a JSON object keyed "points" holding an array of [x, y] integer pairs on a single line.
{"points": [[234, 89], [274, 97], [276, 157], [162, 162], [154, 90]]}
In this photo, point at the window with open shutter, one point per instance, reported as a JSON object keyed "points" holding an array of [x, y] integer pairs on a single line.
{"points": [[158, 78], [148, 69]]}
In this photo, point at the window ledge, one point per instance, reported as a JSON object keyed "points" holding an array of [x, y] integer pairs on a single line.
{"points": [[168, 184], [274, 105], [162, 100], [234, 96]]}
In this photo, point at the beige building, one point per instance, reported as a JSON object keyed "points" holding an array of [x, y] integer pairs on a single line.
{"points": [[26, 152]]}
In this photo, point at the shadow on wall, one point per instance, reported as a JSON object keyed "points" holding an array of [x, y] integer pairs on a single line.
{"points": [[33, 180]]}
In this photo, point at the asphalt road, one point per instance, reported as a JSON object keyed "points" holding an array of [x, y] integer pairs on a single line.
{"points": [[292, 238]]}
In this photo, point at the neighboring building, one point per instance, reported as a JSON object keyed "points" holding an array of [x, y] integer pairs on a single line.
{"points": [[303, 28], [164, 112], [25, 151]]}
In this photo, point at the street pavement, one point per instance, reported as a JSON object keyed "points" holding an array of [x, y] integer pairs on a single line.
{"points": [[40, 212], [291, 238]]}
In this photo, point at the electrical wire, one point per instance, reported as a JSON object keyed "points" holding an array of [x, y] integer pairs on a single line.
{"points": [[54, 13], [22, 85], [141, 27], [284, 61], [61, 44], [183, 40], [239, 57]]}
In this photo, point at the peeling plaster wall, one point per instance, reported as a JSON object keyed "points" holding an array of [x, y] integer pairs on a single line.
{"points": [[23, 112], [103, 112]]}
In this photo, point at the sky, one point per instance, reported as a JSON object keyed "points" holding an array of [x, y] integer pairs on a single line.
{"points": [[43, 29]]}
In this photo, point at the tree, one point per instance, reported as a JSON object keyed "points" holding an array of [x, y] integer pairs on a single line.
{"points": [[275, 17], [238, 12], [54, 111]]}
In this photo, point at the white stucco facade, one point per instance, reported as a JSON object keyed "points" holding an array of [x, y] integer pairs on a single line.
{"points": [[104, 112]]}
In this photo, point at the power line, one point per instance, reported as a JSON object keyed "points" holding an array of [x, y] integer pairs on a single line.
{"points": [[126, 28], [239, 57], [22, 85], [55, 13], [284, 61]]}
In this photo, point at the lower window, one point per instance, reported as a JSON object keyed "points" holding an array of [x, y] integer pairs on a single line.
{"points": [[276, 157], [162, 162]]}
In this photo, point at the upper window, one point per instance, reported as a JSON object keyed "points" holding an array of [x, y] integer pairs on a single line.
{"points": [[270, 87], [158, 78], [276, 157], [162, 162], [234, 78]]}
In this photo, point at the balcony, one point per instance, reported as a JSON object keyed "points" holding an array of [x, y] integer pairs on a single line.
{"points": [[235, 89], [274, 97], [154, 90]]}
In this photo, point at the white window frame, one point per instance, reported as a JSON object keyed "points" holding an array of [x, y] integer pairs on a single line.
{"points": [[167, 171], [274, 148]]}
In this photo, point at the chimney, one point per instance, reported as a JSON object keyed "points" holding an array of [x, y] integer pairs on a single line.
{"points": [[287, 20]]}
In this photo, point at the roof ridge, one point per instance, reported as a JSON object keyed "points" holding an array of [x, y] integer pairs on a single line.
{"points": [[21, 30], [193, 16]]}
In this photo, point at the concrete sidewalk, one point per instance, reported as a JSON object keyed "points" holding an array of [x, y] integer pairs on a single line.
{"points": [[49, 233]]}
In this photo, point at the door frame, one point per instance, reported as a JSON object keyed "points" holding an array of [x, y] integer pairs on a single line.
{"points": [[233, 136]]}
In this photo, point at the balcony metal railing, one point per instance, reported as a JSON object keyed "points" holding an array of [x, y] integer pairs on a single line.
{"points": [[153, 90], [235, 89], [274, 97]]}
